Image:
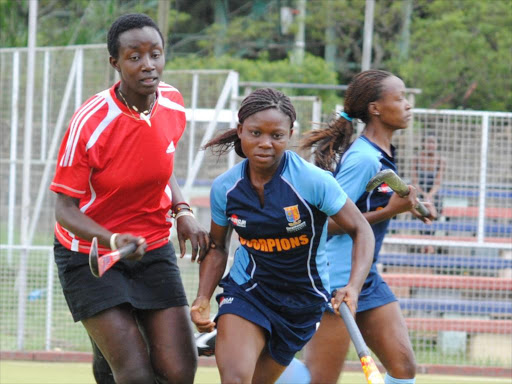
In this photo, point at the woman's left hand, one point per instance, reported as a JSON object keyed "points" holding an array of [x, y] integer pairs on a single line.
{"points": [[432, 212], [188, 228]]}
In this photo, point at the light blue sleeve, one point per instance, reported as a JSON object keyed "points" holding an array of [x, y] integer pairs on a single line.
{"points": [[218, 200], [357, 168], [316, 186], [331, 196]]}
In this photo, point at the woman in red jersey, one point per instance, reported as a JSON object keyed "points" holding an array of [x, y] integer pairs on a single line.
{"points": [[114, 181]]}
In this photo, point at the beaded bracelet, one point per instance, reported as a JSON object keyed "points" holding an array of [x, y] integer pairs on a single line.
{"points": [[176, 209]]}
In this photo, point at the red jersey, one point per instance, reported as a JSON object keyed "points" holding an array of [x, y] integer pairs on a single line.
{"points": [[119, 166]]}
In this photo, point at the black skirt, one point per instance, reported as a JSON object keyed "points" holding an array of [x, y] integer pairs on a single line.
{"points": [[153, 282]]}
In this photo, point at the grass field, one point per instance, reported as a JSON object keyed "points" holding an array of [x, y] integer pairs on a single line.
{"points": [[28, 372]]}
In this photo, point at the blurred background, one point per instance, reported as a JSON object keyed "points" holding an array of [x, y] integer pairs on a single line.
{"points": [[453, 279]]}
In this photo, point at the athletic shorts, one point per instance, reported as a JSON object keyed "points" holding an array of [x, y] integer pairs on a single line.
{"points": [[375, 293], [287, 330], [153, 282]]}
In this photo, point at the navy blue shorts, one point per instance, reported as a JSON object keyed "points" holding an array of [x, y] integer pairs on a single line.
{"points": [[288, 331], [375, 293], [153, 282]]}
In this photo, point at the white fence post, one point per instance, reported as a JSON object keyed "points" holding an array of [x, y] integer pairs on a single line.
{"points": [[43, 186], [44, 107], [228, 87], [482, 189], [27, 156], [192, 133], [234, 115], [49, 301], [13, 152]]}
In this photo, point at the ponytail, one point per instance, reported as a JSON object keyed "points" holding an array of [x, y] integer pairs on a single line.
{"points": [[329, 143], [257, 101], [224, 142]]}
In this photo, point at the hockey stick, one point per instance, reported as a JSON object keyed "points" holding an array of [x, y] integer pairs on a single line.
{"points": [[370, 369], [394, 181], [101, 264]]}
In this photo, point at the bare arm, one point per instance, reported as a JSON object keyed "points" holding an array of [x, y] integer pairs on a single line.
{"points": [[395, 206], [211, 271], [351, 221], [70, 217], [188, 228]]}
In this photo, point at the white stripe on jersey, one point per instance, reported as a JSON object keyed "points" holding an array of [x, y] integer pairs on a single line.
{"points": [[113, 113], [168, 192], [68, 188], [166, 87], [72, 129], [167, 103], [93, 195], [82, 123], [252, 274], [312, 237]]}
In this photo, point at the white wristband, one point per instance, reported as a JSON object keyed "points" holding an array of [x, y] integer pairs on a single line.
{"points": [[183, 213], [113, 238]]}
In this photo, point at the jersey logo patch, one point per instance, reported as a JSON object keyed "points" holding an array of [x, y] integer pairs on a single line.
{"points": [[170, 148], [292, 213], [226, 300], [293, 216], [384, 188], [237, 222]]}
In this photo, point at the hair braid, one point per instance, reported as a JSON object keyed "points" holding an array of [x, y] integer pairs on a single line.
{"points": [[259, 100], [330, 143]]}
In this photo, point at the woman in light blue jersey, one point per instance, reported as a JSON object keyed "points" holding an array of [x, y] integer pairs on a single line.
{"points": [[277, 288], [378, 99]]}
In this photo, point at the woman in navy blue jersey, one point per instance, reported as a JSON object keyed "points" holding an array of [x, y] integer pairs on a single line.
{"points": [[277, 288], [378, 99]]}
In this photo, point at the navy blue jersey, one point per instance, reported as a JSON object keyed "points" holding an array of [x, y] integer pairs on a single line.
{"points": [[281, 255], [359, 164]]}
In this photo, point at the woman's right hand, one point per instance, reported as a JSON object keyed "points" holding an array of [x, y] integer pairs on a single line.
{"points": [[200, 314], [399, 204], [125, 238]]}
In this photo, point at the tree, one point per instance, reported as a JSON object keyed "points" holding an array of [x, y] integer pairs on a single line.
{"points": [[460, 54]]}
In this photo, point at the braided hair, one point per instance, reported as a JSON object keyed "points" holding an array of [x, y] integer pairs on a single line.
{"points": [[259, 100], [125, 23], [330, 143]]}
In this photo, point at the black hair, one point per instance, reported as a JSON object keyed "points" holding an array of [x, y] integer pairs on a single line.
{"points": [[330, 143], [259, 100], [125, 23]]}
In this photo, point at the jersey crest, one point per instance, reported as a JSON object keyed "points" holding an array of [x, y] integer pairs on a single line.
{"points": [[292, 214]]}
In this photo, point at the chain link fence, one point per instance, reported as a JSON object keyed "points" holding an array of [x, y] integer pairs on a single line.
{"points": [[453, 279]]}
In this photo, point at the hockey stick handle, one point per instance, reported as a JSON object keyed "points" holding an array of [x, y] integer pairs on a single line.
{"points": [[369, 367], [107, 261], [420, 207], [353, 330]]}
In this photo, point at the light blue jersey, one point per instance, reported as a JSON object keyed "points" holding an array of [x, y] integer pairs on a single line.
{"points": [[360, 163]]}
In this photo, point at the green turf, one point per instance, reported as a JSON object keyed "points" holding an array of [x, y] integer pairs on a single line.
{"points": [[28, 372]]}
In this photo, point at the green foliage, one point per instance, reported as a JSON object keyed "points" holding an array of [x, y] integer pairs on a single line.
{"points": [[314, 70], [461, 54], [13, 23], [64, 22], [458, 52]]}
